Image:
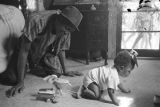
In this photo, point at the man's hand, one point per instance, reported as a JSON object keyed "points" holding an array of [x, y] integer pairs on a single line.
{"points": [[128, 91], [15, 89]]}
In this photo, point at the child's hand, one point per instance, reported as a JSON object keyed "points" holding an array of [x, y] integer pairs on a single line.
{"points": [[116, 103], [127, 91], [123, 89]]}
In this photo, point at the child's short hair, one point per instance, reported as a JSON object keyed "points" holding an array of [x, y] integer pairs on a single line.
{"points": [[124, 57]]}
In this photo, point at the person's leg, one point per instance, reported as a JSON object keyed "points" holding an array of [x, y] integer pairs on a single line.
{"points": [[92, 92]]}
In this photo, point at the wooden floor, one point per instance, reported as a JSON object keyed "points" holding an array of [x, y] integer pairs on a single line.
{"points": [[144, 83]]}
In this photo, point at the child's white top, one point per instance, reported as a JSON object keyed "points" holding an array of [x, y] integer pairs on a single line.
{"points": [[105, 77]]}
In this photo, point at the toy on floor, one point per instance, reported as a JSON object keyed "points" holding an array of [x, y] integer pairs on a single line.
{"points": [[57, 82], [52, 93], [48, 95]]}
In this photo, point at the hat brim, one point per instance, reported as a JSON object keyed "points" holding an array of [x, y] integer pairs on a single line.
{"points": [[70, 21]]}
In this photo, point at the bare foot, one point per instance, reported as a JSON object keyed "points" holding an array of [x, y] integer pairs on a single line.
{"points": [[76, 95]]}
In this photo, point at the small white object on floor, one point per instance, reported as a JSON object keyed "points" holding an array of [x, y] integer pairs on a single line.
{"points": [[47, 91], [57, 82]]}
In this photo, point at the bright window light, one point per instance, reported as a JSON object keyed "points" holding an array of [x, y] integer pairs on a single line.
{"points": [[31, 5]]}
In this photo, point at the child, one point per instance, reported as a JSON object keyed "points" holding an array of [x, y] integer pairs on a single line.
{"points": [[105, 79]]}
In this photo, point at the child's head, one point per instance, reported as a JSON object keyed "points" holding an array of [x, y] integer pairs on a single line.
{"points": [[125, 62]]}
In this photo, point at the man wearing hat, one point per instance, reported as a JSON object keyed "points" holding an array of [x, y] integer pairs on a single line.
{"points": [[45, 36]]}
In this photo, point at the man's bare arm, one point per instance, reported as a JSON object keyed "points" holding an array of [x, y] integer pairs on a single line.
{"points": [[21, 65]]}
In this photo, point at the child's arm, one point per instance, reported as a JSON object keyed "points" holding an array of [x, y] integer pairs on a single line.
{"points": [[112, 96], [123, 89]]}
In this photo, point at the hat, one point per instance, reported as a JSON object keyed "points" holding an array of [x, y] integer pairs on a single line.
{"points": [[72, 14]]}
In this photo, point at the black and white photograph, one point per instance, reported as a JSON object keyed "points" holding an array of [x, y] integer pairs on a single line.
{"points": [[79, 53]]}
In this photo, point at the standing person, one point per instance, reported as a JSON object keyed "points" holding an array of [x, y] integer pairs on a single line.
{"points": [[46, 35], [102, 80]]}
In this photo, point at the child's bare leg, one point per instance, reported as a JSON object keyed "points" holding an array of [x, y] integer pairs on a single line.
{"points": [[93, 92]]}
